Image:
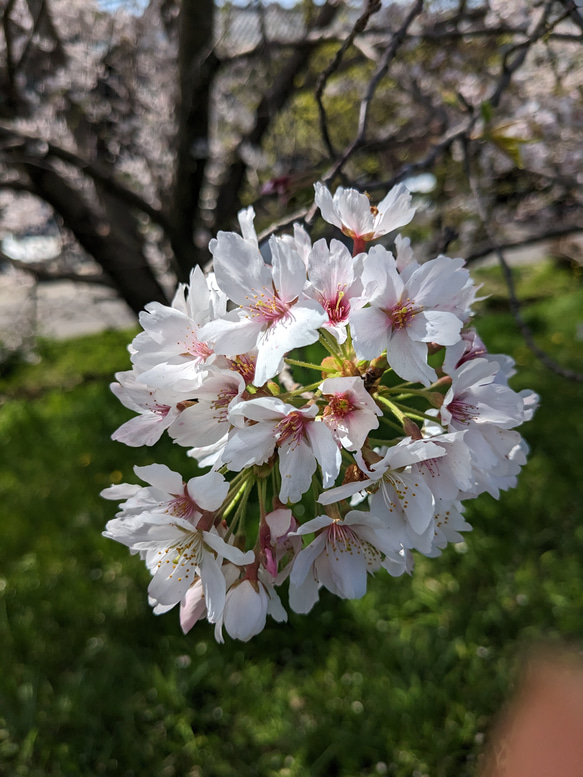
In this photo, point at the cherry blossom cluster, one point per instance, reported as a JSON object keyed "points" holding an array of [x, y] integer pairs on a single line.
{"points": [[317, 484]]}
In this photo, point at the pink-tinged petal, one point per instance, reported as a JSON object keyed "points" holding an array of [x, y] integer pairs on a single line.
{"points": [[252, 445], [326, 451], [239, 267], [267, 409], [145, 429], [214, 586], [434, 326], [437, 282], [197, 426], [162, 477], [370, 329], [208, 491], [229, 552], [358, 425], [171, 582], [192, 607], [380, 275], [289, 270], [233, 334], [296, 466], [330, 268], [408, 359], [279, 522], [295, 331], [354, 211], [324, 201], [394, 211], [181, 377]]}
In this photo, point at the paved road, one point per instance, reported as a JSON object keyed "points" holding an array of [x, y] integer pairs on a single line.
{"points": [[61, 309]]}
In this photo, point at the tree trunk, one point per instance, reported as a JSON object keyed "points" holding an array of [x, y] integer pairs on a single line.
{"points": [[114, 247]]}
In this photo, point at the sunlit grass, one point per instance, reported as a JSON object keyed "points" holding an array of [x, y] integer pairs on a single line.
{"points": [[403, 682]]}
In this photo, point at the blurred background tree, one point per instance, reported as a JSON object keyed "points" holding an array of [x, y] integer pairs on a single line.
{"points": [[143, 128]]}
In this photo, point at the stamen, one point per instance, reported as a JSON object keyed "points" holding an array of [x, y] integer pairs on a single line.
{"points": [[291, 427]]}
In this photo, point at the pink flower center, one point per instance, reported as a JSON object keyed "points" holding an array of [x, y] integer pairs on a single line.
{"points": [[337, 308], [161, 410], [221, 404], [245, 366], [268, 308], [290, 428], [343, 539], [339, 406], [401, 314], [194, 348], [183, 506], [462, 412]]}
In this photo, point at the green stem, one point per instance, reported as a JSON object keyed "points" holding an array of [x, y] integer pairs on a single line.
{"points": [[392, 406], [309, 366], [393, 425], [331, 348], [387, 443], [246, 490], [412, 413], [300, 390]]}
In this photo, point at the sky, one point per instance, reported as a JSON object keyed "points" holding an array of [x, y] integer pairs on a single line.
{"points": [[139, 5]]}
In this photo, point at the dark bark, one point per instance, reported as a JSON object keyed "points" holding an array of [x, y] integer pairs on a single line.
{"points": [[197, 65], [113, 246], [275, 98]]}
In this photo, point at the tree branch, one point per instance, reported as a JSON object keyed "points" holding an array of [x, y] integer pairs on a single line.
{"points": [[372, 7], [228, 200], [197, 65], [550, 234], [515, 307], [39, 149], [42, 272]]}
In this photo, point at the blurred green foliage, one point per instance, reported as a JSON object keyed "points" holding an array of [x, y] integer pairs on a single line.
{"points": [[404, 682]]}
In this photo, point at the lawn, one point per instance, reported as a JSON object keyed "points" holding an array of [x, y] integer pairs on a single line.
{"points": [[404, 682]]}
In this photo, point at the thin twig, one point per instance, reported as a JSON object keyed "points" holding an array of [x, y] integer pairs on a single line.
{"points": [[380, 71], [372, 7], [515, 307]]}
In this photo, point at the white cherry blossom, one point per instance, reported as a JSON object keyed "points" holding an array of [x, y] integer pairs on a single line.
{"points": [[299, 439], [171, 539], [341, 556], [352, 212], [351, 412], [274, 315], [403, 316], [334, 281]]}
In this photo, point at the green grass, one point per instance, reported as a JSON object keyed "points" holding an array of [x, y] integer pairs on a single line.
{"points": [[403, 682]]}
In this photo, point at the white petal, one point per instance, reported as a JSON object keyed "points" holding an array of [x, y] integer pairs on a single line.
{"points": [[296, 466], [208, 491], [214, 585], [252, 445], [229, 552], [162, 477], [325, 202], [370, 332]]}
